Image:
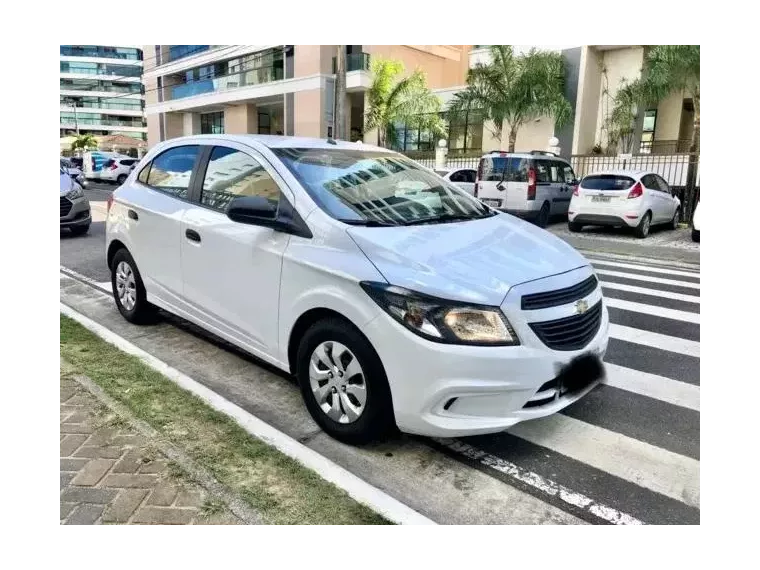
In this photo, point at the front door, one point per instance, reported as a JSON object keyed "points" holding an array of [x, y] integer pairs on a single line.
{"points": [[231, 271]]}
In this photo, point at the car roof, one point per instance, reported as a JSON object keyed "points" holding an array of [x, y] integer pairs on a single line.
{"points": [[633, 173], [281, 141]]}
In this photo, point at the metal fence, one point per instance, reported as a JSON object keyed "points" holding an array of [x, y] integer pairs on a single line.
{"points": [[454, 158]]}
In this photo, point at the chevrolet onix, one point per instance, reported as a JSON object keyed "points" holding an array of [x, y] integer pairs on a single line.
{"points": [[394, 297]]}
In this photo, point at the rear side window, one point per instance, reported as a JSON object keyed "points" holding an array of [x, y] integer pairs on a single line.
{"points": [[607, 182], [143, 176], [493, 168], [127, 162], [543, 173], [567, 174], [463, 176], [171, 170]]}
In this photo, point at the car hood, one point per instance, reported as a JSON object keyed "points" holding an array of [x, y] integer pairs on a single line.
{"points": [[476, 261], [67, 184]]}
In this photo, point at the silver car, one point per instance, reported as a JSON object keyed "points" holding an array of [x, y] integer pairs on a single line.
{"points": [[75, 207]]}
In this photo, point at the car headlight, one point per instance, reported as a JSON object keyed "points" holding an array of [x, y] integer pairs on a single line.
{"points": [[75, 194], [443, 321]]}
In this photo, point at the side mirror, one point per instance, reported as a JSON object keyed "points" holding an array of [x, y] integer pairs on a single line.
{"points": [[253, 210]]}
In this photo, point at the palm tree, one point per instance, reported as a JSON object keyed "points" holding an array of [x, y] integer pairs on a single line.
{"points": [[340, 94], [84, 142], [407, 100], [516, 90]]}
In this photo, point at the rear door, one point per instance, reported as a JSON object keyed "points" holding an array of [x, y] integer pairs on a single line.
{"points": [[563, 177], [655, 198], [604, 194], [509, 172], [465, 179], [669, 199]]}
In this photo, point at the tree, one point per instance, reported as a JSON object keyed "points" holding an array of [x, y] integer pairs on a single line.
{"points": [[84, 142], [340, 94], [406, 100], [516, 90]]}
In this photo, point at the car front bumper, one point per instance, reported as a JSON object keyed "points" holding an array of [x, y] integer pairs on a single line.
{"points": [[444, 390], [77, 214]]}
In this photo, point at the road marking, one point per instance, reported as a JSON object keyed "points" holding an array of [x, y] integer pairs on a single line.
{"points": [[653, 386], [637, 277], [641, 463], [656, 340], [647, 291], [649, 268], [357, 488], [653, 310], [536, 481], [601, 257]]}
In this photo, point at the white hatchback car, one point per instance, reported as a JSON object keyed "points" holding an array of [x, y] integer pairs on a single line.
{"points": [[462, 177], [394, 299], [637, 199], [117, 169]]}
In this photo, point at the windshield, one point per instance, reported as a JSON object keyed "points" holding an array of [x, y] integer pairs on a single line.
{"points": [[607, 182], [366, 187]]}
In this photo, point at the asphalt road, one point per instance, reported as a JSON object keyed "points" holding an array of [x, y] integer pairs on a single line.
{"points": [[626, 453], [86, 254]]}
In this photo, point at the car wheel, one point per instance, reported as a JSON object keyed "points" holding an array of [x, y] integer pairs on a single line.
{"points": [[121, 179], [642, 230], [543, 216], [343, 383], [80, 230], [129, 291], [695, 235], [674, 221], [574, 227]]}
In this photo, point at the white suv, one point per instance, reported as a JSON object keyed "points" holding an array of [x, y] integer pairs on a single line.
{"points": [[117, 169], [394, 297]]}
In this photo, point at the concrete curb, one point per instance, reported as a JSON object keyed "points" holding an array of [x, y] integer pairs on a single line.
{"points": [[357, 488]]}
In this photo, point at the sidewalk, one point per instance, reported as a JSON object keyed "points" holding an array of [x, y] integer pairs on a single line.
{"points": [[110, 474]]}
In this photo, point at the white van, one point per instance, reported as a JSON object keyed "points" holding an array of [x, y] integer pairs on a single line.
{"points": [[534, 185]]}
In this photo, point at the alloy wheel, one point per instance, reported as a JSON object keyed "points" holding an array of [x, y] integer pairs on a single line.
{"points": [[126, 287], [337, 382]]}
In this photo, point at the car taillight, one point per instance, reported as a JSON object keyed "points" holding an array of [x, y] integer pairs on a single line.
{"points": [[575, 191], [636, 191], [109, 202], [531, 184], [479, 176], [114, 166]]}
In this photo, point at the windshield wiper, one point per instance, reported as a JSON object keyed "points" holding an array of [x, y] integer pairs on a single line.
{"points": [[367, 223], [445, 218]]}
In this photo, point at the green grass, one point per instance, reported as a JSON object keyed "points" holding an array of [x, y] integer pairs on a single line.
{"points": [[282, 490]]}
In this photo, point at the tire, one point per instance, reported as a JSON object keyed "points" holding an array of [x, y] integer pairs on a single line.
{"points": [[694, 235], [134, 308], [674, 221], [574, 227], [375, 419], [80, 230], [642, 230], [543, 216], [121, 179]]}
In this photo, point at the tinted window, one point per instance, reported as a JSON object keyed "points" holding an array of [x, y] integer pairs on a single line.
{"points": [[650, 182], [568, 174], [171, 170], [607, 182], [463, 176], [542, 171], [127, 162], [231, 173], [359, 186], [493, 168], [662, 184]]}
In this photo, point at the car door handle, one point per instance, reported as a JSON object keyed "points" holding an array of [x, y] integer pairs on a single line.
{"points": [[132, 214], [192, 235]]}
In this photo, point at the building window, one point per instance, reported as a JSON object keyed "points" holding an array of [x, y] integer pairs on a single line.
{"points": [[465, 134], [647, 131], [212, 123]]}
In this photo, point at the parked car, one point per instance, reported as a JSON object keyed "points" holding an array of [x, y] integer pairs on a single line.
{"points": [[462, 177], [637, 199], [74, 171], [698, 222], [534, 186], [117, 169], [394, 298], [75, 208]]}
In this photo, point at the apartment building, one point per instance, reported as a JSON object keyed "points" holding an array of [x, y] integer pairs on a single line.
{"points": [[274, 89], [101, 93]]}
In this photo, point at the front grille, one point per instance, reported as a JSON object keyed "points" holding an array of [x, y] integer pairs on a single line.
{"points": [[65, 206], [558, 297], [570, 333]]}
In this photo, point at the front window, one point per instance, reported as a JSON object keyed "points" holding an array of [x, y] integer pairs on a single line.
{"points": [[212, 123], [378, 188]]}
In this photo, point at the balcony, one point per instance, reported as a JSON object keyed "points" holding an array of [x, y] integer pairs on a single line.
{"points": [[101, 51], [232, 81], [354, 62], [178, 52]]}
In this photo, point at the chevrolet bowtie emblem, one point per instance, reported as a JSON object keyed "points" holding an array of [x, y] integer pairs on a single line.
{"points": [[581, 307]]}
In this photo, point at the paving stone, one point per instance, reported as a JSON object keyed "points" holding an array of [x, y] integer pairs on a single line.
{"points": [[155, 466], [218, 518], [66, 508], [164, 515], [99, 452], [124, 480], [134, 440], [76, 428], [189, 498], [87, 495], [124, 505], [72, 463], [130, 463], [70, 443], [93, 472], [66, 479], [163, 495], [85, 514], [102, 436]]}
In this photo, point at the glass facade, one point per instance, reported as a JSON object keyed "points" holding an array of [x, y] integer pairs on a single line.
{"points": [[99, 85], [72, 118], [178, 52], [102, 51], [212, 123], [464, 134], [101, 69], [102, 102]]}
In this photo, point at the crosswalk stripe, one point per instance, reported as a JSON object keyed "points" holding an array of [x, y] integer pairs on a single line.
{"points": [[650, 279], [656, 340], [653, 310], [648, 268], [653, 386], [647, 291], [641, 463]]}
